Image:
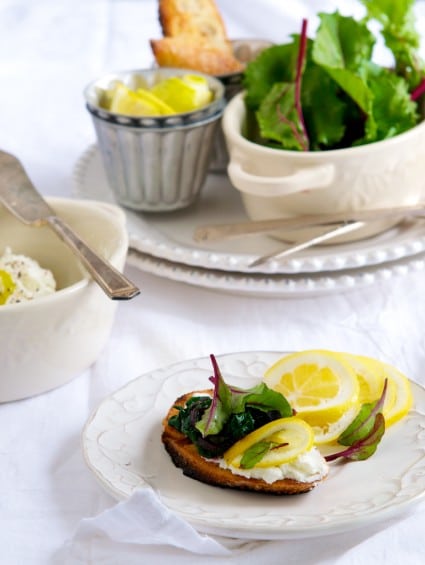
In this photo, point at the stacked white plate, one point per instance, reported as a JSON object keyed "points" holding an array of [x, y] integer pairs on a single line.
{"points": [[163, 244]]}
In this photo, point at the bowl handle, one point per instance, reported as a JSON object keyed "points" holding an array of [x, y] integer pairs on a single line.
{"points": [[309, 178]]}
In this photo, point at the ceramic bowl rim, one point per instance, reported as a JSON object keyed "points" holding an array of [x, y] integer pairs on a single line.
{"points": [[132, 123], [235, 135], [215, 106]]}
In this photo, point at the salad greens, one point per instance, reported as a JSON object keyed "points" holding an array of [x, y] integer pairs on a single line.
{"points": [[364, 433], [256, 452], [362, 436], [327, 92], [215, 424]]}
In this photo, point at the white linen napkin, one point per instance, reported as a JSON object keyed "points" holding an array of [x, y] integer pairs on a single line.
{"points": [[142, 529], [143, 520]]}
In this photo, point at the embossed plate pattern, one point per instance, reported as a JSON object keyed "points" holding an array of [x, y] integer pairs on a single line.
{"points": [[169, 236], [122, 447]]}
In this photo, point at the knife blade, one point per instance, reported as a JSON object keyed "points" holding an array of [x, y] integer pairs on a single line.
{"points": [[216, 232], [341, 229], [20, 197]]}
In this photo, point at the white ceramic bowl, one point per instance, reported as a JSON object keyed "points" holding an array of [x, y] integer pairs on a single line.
{"points": [[279, 183], [48, 341]]}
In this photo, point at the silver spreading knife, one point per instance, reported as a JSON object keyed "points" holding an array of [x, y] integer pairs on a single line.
{"points": [[19, 196], [217, 232], [341, 229]]}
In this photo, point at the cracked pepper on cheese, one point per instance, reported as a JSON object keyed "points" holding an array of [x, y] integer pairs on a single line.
{"points": [[22, 279]]}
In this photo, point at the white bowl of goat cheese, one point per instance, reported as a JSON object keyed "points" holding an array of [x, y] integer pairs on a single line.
{"points": [[54, 319]]}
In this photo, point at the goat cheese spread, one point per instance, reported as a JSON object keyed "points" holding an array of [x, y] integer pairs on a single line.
{"points": [[22, 279], [306, 468]]}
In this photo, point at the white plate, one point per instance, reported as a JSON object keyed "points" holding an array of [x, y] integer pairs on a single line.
{"points": [[122, 446], [169, 236], [275, 286]]}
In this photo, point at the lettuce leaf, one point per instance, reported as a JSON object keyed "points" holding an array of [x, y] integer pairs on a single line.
{"points": [[255, 453], [328, 126], [364, 433], [343, 48], [278, 118], [260, 397], [231, 400], [393, 110], [278, 63], [214, 418], [346, 99], [398, 30]]}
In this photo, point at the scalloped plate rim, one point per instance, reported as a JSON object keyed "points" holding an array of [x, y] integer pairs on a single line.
{"points": [[274, 286]]}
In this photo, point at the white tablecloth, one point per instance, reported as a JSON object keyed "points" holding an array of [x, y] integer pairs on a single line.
{"points": [[49, 50]]}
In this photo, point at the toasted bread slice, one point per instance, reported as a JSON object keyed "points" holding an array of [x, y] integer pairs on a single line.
{"points": [[185, 456], [199, 55], [194, 38], [191, 17]]}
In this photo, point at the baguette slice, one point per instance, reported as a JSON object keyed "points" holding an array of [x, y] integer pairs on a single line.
{"points": [[194, 38], [197, 54], [185, 456], [191, 17]]}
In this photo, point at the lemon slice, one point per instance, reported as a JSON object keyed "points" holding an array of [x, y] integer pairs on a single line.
{"points": [[184, 94], [292, 437], [315, 382], [150, 98], [7, 286], [201, 87], [370, 384], [398, 398], [321, 386], [140, 103], [371, 381], [106, 95]]}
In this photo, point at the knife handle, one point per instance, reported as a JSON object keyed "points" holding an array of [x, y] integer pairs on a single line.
{"points": [[114, 283]]}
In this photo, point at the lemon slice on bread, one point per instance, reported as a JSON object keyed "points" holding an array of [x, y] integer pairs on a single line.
{"points": [[285, 439], [321, 386]]}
